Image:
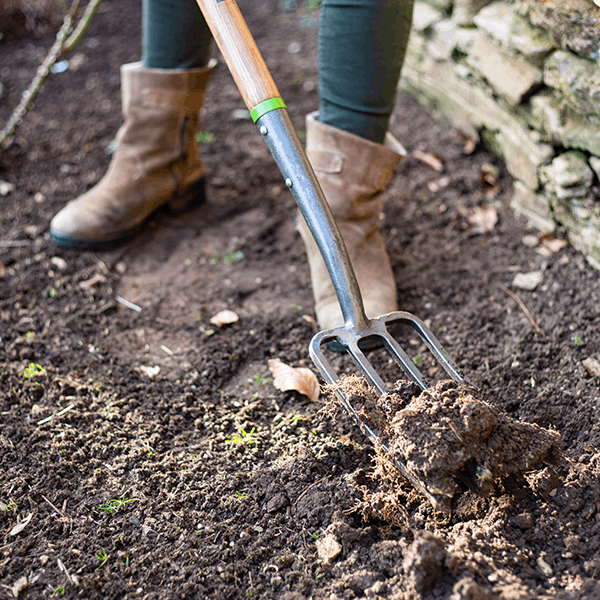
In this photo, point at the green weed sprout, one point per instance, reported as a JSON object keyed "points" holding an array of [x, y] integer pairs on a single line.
{"points": [[59, 591], [205, 137], [577, 341], [102, 557], [115, 504], [243, 437], [34, 370], [12, 505], [417, 361], [262, 380]]}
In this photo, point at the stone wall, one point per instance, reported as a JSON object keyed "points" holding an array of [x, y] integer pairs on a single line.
{"points": [[523, 77]]}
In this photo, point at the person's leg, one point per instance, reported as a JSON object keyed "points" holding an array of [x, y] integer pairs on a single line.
{"points": [[361, 50], [157, 161], [175, 35]]}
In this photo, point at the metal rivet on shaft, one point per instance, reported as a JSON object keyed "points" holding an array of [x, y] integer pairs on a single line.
{"points": [[288, 182], [263, 130]]}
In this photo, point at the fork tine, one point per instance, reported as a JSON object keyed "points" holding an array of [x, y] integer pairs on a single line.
{"points": [[362, 362], [428, 338], [404, 361]]}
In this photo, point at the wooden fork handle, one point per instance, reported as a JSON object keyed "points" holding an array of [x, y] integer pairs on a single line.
{"points": [[240, 51]]}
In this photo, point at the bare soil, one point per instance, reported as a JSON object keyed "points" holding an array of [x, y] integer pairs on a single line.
{"points": [[145, 453]]}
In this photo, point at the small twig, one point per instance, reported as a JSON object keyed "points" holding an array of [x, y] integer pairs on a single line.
{"points": [[63, 44], [523, 308], [312, 485], [128, 304], [60, 512], [43, 70], [14, 243], [456, 433], [82, 26], [60, 413]]}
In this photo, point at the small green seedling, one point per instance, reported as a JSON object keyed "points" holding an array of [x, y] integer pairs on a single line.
{"points": [[296, 307], [205, 137], [232, 257], [34, 370], [313, 535], [59, 591], [29, 335], [577, 341], [115, 504], [240, 495], [52, 293], [102, 557], [11, 506], [417, 361], [262, 380], [243, 437]]}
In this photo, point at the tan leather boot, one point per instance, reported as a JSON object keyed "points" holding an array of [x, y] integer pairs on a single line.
{"points": [[352, 172], [157, 160]]}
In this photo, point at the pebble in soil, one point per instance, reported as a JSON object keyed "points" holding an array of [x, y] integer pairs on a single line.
{"points": [[450, 435]]}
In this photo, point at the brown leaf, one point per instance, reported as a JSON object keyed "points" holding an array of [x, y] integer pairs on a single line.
{"points": [[483, 219], [299, 379], [489, 183], [552, 243], [430, 159], [469, 144]]}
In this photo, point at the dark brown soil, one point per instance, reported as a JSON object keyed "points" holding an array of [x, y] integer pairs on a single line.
{"points": [[125, 471]]}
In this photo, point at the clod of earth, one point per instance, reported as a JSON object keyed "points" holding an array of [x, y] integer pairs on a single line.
{"points": [[450, 435]]}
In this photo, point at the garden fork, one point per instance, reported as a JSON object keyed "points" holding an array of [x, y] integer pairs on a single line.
{"points": [[269, 113]]}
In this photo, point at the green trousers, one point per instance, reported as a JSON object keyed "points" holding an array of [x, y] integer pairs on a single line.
{"points": [[361, 50]]}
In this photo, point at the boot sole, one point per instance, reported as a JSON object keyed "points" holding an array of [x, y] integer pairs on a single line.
{"points": [[194, 196]]}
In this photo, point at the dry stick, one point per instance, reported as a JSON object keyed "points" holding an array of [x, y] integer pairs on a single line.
{"points": [[60, 46], [60, 512], [312, 485], [82, 26], [523, 307]]}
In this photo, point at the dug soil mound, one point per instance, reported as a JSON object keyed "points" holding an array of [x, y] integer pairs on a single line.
{"points": [[145, 452], [449, 434]]}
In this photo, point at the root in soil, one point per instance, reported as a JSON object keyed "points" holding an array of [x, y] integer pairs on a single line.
{"points": [[449, 437]]}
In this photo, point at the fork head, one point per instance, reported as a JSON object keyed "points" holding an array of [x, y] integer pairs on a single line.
{"points": [[354, 341]]}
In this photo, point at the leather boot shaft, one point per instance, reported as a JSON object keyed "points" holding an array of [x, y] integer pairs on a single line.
{"points": [[353, 172]]}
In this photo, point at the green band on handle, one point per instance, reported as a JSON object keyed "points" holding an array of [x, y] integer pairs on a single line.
{"points": [[266, 106]]}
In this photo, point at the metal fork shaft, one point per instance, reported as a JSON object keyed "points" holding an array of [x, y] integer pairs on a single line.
{"points": [[282, 140]]}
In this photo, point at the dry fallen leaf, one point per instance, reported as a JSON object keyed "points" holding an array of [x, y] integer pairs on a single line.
{"points": [[469, 144], [430, 159], [225, 317], [552, 243], [489, 184], [299, 379], [19, 585], [483, 219], [21, 525]]}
